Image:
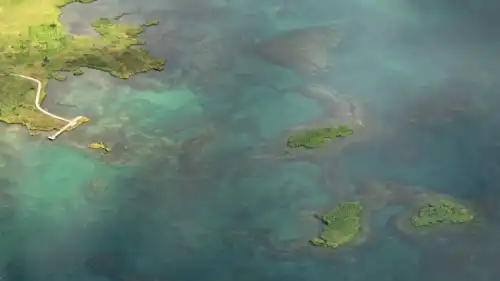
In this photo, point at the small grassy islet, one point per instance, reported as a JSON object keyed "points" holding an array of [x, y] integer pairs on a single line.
{"points": [[441, 212], [34, 43], [340, 225], [315, 138], [100, 145]]}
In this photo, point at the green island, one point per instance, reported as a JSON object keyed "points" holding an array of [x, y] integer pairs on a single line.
{"points": [[100, 145], [315, 138], [340, 225], [441, 212], [34, 43]]}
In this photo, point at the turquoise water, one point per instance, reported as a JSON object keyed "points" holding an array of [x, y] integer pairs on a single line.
{"points": [[197, 186]]}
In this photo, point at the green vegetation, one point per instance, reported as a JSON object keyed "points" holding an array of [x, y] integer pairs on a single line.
{"points": [[442, 212], [62, 3], [315, 138], [341, 225], [78, 72], [59, 77], [34, 43], [150, 23], [100, 145]]}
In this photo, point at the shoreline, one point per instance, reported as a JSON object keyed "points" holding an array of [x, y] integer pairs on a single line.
{"points": [[62, 51]]}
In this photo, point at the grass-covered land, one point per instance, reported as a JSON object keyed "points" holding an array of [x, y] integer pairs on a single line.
{"points": [[34, 43], [341, 225], [315, 138], [442, 212], [100, 145]]}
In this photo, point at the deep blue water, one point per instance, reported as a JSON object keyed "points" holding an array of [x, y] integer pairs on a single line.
{"points": [[205, 195]]}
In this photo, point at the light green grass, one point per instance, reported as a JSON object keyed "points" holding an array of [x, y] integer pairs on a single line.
{"points": [[315, 138], [442, 212], [34, 43], [341, 225]]}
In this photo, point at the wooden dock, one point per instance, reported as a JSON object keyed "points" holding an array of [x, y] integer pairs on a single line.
{"points": [[70, 124]]}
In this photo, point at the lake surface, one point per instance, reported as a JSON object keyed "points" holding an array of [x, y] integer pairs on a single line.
{"points": [[197, 185]]}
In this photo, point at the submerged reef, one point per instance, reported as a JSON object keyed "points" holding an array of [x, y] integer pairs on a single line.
{"points": [[341, 225], [34, 43], [442, 212], [340, 112], [315, 138], [305, 49]]}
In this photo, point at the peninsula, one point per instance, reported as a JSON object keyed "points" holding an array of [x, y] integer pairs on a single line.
{"points": [[34, 46]]}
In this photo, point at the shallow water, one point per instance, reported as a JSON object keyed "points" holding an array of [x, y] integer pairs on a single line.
{"points": [[196, 186]]}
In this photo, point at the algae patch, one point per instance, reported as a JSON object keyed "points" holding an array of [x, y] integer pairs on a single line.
{"points": [[34, 43], [315, 138], [441, 212], [340, 225]]}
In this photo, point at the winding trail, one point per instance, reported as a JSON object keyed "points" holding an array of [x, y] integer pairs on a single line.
{"points": [[69, 124], [37, 98]]}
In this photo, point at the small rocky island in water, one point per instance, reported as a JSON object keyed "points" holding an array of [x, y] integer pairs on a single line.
{"points": [[424, 212], [341, 225], [314, 138], [441, 212]]}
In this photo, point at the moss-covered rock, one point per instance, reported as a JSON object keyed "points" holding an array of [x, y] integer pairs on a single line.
{"points": [[441, 212], [315, 138], [341, 225]]}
